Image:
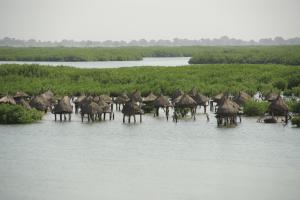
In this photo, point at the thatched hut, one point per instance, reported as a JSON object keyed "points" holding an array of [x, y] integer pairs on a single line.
{"points": [[136, 96], [193, 92], [241, 98], [106, 108], [131, 108], [7, 100], [227, 112], [24, 103], [49, 96], [91, 109], [104, 98], [63, 107], [78, 102], [121, 100], [271, 97], [278, 108], [162, 102], [177, 94], [184, 102], [150, 98], [216, 99], [20, 95], [201, 100], [39, 103]]}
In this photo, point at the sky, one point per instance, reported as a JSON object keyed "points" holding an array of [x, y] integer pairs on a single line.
{"points": [[101, 20]]}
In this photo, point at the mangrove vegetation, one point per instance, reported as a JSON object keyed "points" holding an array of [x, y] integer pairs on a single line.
{"points": [[209, 79], [289, 55]]}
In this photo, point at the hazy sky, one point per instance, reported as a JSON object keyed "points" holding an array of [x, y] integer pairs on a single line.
{"points": [[149, 19]]}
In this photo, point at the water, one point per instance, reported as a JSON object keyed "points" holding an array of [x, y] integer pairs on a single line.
{"points": [[154, 160], [165, 61]]}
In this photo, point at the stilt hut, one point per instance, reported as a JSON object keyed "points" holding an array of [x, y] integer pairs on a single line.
{"points": [[131, 108], [106, 108], [136, 96], [78, 102], [162, 102], [201, 100], [184, 102], [121, 100], [62, 108], [24, 103], [48, 96], [241, 98], [193, 93], [177, 94], [20, 95], [216, 99], [39, 103], [7, 100], [227, 112], [91, 109], [278, 109], [271, 97], [148, 102]]}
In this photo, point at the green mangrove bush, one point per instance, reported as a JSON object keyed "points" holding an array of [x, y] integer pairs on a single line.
{"points": [[255, 108], [16, 114]]}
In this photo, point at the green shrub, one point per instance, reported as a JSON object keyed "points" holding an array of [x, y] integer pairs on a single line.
{"points": [[294, 106], [253, 108], [296, 121], [16, 114]]}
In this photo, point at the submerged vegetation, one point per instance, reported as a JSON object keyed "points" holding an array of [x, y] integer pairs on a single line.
{"points": [[16, 114], [209, 79], [289, 55]]}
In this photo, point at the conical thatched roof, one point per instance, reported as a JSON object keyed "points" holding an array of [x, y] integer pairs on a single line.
{"points": [[193, 93], [24, 103], [48, 94], [131, 108], [123, 98], [241, 98], [271, 97], [177, 94], [150, 98], [136, 96], [39, 103], [104, 106], [201, 99], [21, 94], [161, 101], [278, 107], [185, 101], [7, 100], [227, 107], [91, 108], [105, 98], [218, 97], [63, 106], [80, 99]]}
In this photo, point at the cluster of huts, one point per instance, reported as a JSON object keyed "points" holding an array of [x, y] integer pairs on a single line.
{"points": [[228, 109]]}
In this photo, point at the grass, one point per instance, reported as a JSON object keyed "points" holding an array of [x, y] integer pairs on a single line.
{"points": [[209, 79]]}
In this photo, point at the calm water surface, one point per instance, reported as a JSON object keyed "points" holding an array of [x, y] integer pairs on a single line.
{"points": [[155, 160], [166, 61]]}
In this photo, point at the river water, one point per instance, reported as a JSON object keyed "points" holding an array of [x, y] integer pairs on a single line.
{"points": [[154, 160], [164, 61]]}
